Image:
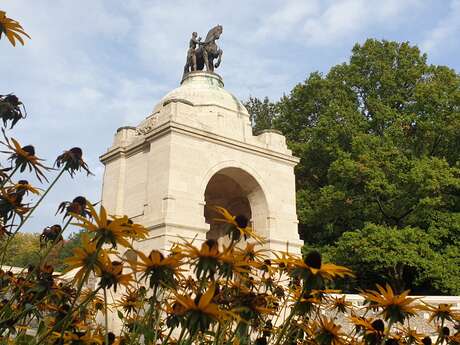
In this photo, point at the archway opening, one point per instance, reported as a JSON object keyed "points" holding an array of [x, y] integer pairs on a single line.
{"points": [[240, 194]]}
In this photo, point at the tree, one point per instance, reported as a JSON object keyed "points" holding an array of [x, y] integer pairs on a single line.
{"points": [[378, 139], [24, 250], [67, 248], [261, 113]]}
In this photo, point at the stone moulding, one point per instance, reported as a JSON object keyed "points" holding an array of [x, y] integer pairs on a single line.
{"points": [[172, 126]]}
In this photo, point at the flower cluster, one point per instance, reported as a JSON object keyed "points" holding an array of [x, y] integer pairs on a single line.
{"points": [[198, 292]]}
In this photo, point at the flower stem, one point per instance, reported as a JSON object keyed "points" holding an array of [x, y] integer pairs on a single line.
{"points": [[106, 318], [10, 238], [8, 178], [40, 200]]}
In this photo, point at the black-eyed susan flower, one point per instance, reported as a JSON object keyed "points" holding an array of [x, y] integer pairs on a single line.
{"points": [[12, 29], [87, 257], [410, 336], [313, 272], [285, 261], [133, 230], [189, 284], [326, 332], [159, 270], [304, 302], [340, 304], [76, 206], [105, 231], [72, 161], [80, 337], [231, 264], [111, 274], [10, 109], [395, 308], [240, 224], [131, 301], [11, 204], [372, 330], [250, 253], [201, 312], [441, 312], [51, 234], [23, 157], [175, 314], [205, 259]]}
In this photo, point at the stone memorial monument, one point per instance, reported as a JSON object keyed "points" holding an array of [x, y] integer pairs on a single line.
{"points": [[197, 149]]}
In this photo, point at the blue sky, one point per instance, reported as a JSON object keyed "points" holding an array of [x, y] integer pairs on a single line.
{"points": [[95, 65]]}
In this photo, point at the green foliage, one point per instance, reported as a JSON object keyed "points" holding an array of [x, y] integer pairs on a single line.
{"points": [[66, 251], [23, 250], [261, 113], [378, 139]]}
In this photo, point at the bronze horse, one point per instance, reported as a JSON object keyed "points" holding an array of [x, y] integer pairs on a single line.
{"points": [[206, 53]]}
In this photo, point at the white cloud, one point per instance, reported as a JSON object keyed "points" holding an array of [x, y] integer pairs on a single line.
{"points": [[327, 22], [446, 32], [95, 65]]}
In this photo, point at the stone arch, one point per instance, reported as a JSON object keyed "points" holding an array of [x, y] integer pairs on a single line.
{"points": [[241, 191]]}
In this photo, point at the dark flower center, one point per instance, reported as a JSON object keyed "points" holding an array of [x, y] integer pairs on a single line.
{"points": [[427, 341], [29, 149], [445, 331], [156, 251], [80, 200], [378, 325], [211, 243], [313, 259], [12, 99], [242, 221], [77, 152]]}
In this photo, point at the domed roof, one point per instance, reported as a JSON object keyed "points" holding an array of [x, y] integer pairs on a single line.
{"points": [[203, 89]]}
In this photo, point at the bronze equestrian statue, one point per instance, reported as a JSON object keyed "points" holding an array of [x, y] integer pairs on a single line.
{"points": [[204, 55]]}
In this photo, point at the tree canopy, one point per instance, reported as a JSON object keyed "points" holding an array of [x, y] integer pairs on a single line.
{"points": [[379, 177]]}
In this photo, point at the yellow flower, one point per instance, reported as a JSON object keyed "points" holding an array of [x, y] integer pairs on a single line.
{"points": [[395, 308], [112, 274], [24, 157], [131, 301], [10, 110], [12, 29], [79, 337], [285, 261], [240, 222], [11, 205], [72, 161], [313, 272], [133, 230], [201, 311], [340, 304], [161, 270], [372, 330], [105, 230], [205, 260], [326, 332], [87, 257], [231, 263], [411, 336], [442, 312], [23, 187], [250, 254]]}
